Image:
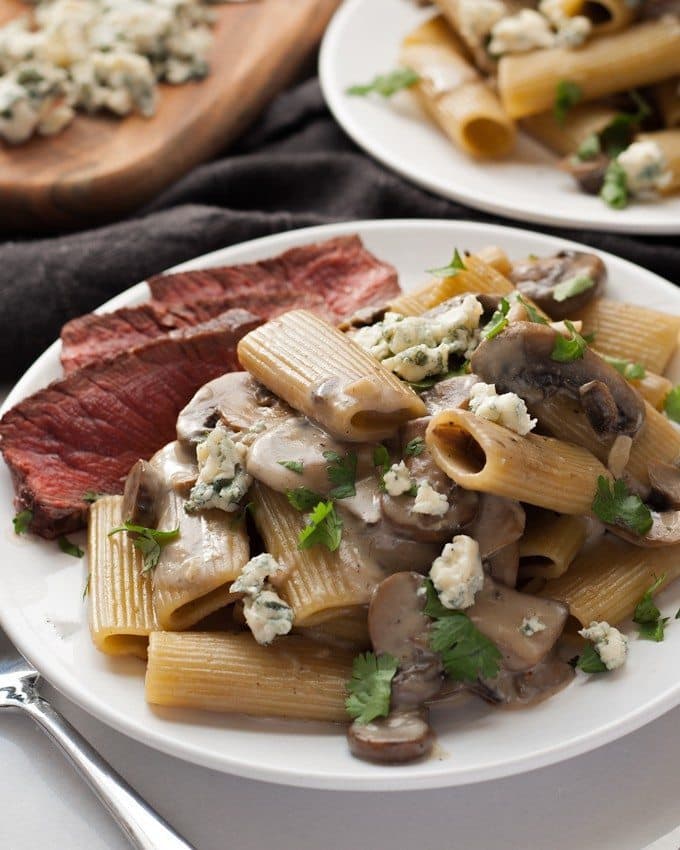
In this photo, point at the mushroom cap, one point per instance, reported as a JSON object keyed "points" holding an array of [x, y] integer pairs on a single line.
{"points": [[519, 360], [143, 489], [537, 279], [400, 737]]}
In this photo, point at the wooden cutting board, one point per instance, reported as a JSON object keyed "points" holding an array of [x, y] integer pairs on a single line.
{"points": [[100, 166]]}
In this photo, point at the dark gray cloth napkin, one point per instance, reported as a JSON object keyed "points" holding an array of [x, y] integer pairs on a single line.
{"points": [[293, 169]]}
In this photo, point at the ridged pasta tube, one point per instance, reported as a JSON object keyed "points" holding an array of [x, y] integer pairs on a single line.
{"points": [[328, 377], [121, 611], [565, 138], [542, 471], [550, 543], [294, 677]]}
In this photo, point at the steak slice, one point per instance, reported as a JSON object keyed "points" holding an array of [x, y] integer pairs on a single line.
{"points": [[85, 432], [334, 278]]}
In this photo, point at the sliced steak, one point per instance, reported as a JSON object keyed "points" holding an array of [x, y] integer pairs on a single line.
{"points": [[335, 277], [86, 431]]}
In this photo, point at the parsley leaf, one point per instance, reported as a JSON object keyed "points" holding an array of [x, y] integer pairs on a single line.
{"points": [[69, 548], [567, 94], [573, 286], [428, 383], [453, 267], [387, 84], [303, 499], [590, 148], [342, 472], [414, 447], [86, 589], [499, 320], [149, 541], [22, 521], [621, 507], [648, 616], [382, 462], [590, 661], [534, 315], [466, 653], [294, 465], [91, 496], [618, 134], [324, 527], [671, 404], [568, 349], [370, 687], [631, 371], [614, 191]]}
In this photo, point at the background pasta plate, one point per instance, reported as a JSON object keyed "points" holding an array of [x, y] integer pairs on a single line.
{"points": [[42, 610], [362, 41]]}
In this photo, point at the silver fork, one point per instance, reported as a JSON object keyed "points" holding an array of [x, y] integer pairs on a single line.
{"points": [[144, 827]]}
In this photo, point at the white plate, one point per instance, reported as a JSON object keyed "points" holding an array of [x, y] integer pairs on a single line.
{"points": [[42, 610], [362, 41]]}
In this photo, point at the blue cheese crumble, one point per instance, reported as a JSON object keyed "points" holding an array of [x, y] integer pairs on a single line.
{"points": [[397, 479], [222, 479], [645, 168], [430, 501], [507, 409], [609, 643], [457, 573], [419, 347], [105, 54], [267, 615], [531, 625]]}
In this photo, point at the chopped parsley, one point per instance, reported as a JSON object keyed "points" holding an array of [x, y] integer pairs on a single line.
{"points": [[370, 687], [573, 286], [567, 95], [456, 265], [618, 506], [86, 589], [428, 383], [589, 148], [294, 465], [618, 134], [324, 527], [149, 541], [614, 191], [568, 349], [342, 471], [499, 320], [590, 661], [386, 84], [69, 548], [414, 447], [22, 521], [671, 404], [534, 315], [631, 371], [647, 615], [466, 653], [382, 462], [303, 499]]}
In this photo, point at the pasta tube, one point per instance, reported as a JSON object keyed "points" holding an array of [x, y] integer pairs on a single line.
{"points": [[321, 372], [294, 677], [564, 139], [454, 94], [549, 544], [605, 15], [642, 54], [542, 471], [607, 580], [349, 629], [121, 611]]}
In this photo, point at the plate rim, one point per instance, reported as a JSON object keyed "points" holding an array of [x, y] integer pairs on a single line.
{"points": [[67, 683], [338, 104]]}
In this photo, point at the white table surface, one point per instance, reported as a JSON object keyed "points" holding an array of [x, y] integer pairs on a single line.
{"points": [[622, 796]]}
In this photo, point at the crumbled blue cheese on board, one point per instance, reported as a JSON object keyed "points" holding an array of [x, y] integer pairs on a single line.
{"points": [[267, 615], [645, 167], [108, 54], [507, 409], [419, 347], [222, 479], [33, 99], [609, 643], [457, 573]]}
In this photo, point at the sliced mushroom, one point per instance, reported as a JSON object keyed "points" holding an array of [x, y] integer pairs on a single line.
{"points": [[519, 360], [397, 625], [665, 481], [176, 465], [403, 736], [588, 173], [503, 565], [499, 523], [499, 612], [364, 316], [453, 392], [665, 530], [537, 279], [395, 553], [514, 690], [143, 490]]}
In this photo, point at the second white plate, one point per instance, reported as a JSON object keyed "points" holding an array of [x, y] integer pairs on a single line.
{"points": [[363, 41]]}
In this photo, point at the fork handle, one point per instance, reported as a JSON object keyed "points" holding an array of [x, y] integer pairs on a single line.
{"points": [[144, 827]]}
